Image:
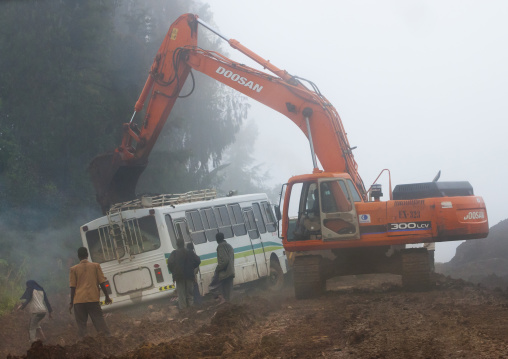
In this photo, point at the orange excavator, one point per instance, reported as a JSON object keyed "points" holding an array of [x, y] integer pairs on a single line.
{"points": [[341, 227]]}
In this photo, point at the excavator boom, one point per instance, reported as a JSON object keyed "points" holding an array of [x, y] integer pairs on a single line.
{"points": [[115, 174]]}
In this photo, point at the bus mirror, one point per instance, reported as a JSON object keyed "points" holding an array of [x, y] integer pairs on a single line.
{"points": [[277, 212]]}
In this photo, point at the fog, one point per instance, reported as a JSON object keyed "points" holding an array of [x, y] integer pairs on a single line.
{"points": [[420, 86]]}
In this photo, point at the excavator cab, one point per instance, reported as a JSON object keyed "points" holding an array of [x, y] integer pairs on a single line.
{"points": [[326, 211]]}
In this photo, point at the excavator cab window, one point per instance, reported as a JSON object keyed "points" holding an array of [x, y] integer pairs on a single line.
{"points": [[338, 216], [334, 197], [308, 224], [354, 192]]}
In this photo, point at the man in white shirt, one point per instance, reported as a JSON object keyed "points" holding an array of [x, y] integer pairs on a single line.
{"points": [[38, 304]]}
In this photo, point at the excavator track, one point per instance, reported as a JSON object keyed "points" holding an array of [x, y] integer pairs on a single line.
{"points": [[307, 277], [416, 269]]}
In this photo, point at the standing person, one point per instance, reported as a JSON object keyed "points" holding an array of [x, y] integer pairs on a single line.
{"points": [[181, 264], [84, 280], [196, 294], [225, 270], [37, 301]]}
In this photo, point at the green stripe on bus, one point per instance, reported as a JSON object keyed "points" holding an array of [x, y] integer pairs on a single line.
{"points": [[240, 252], [243, 249], [243, 254]]}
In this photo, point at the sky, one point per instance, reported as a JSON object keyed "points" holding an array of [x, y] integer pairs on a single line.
{"points": [[421, 86]]}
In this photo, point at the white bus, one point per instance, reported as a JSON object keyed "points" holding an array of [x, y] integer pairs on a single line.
{"points": [[134, 240]]}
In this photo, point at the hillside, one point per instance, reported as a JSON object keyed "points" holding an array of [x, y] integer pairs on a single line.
{"points": [[482, 261]]}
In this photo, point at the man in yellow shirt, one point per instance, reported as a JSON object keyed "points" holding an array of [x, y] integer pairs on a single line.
{"points": [[85, 279]]}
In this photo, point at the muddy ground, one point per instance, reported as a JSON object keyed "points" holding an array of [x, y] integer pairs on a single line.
{"points": [[359, 317]]}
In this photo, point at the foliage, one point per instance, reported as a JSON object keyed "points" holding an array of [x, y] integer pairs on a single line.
{"points": [[241, 173], [16, 179], [44, 256], [11, 282], [57, 98], [72, 77]]}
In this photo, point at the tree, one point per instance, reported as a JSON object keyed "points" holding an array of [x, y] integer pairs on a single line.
{"points": [[71, 79], [56, 97], [243, 174]]}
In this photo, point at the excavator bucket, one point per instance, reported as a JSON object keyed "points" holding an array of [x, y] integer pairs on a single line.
{"points": [[113, 179]]}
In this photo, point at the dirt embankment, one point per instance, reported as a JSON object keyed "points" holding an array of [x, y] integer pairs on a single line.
{"points": [[483, 261], [359, 317]]}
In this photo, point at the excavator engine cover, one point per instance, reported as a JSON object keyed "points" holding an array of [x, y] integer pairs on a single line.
{"points": [[114, 181], [432, 189]]}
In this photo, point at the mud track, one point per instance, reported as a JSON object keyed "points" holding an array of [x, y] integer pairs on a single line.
{"points": [[358, 317]]}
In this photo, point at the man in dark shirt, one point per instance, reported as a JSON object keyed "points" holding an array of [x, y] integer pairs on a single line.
{"points": [[181, 263], [225, 270]]}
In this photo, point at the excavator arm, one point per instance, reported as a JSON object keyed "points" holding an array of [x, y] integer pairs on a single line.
{"points": [[115, 174]]}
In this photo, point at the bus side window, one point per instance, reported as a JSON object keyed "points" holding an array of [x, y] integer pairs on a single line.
{"points": [[195, 226], [259, 218], [210, 224], [171, 230], [268, 217], [181, 230], [237, 218], [250, 222], [223, 220]]}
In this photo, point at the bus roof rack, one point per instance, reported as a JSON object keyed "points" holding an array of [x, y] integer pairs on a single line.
{"points": [[165, 200]]}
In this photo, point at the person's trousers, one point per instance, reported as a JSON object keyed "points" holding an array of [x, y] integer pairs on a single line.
{"points": [[227, 287], [35, 323], [94, 310], [197, 295], [185, 289]]}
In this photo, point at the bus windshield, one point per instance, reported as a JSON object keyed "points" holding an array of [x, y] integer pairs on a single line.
{"points": [[106, 243]]}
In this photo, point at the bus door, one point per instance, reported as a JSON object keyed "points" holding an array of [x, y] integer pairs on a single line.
{"points": [[245, 263], [181, 231], [254, 229], [339, 220]]}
